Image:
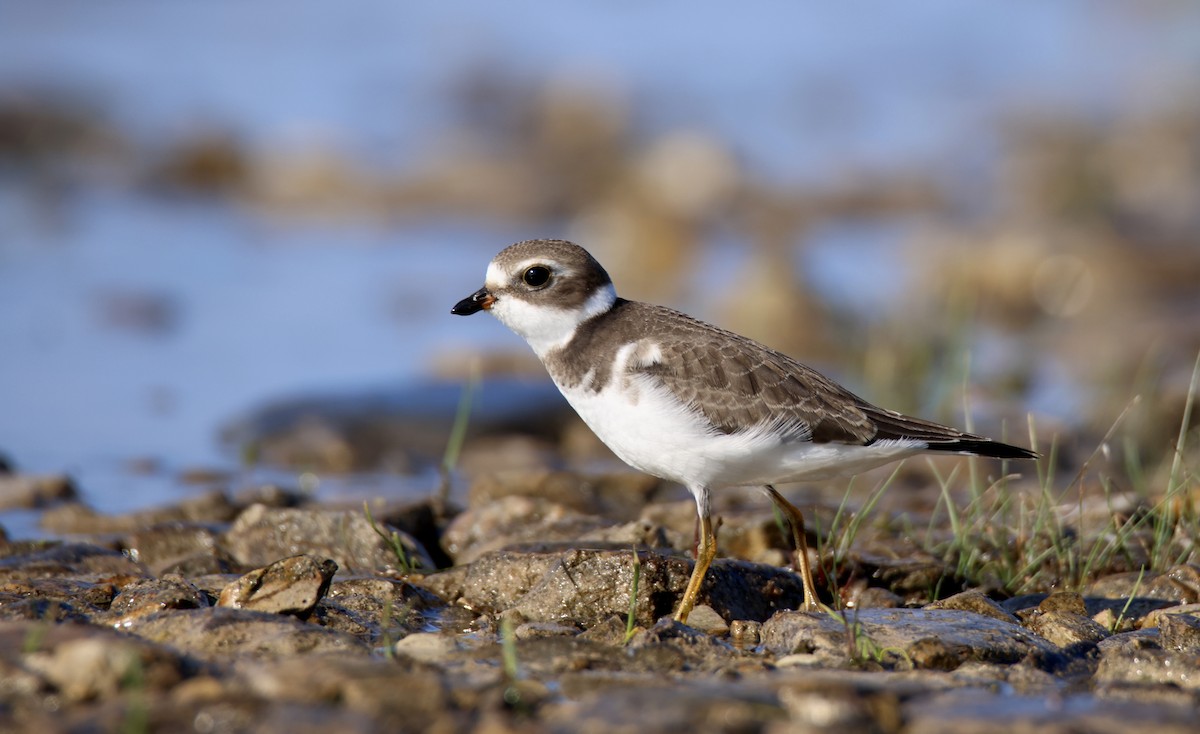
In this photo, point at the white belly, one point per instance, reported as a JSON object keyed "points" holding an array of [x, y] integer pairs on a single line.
{"points": [[648, 429]]}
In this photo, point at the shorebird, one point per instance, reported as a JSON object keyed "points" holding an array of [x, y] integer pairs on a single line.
{"points": [[686, 401]]}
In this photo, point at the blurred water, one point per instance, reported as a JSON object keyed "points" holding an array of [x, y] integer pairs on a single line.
{"points": [[260, 311], [235, 309], [795, 89]]}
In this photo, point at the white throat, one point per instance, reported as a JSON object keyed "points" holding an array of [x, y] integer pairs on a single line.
{"points": [[545, 327]]}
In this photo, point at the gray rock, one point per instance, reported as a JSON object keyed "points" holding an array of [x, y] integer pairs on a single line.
{"points": [[75, 518], [78, 560], [377, 610], [216, 633], [987, 639], [620, 497], [150, 596], [262, 535], [1154, 618], [652, 706], [1180, 632], [976, 711], [1138, 658], [706, 619], [1179, 585], [291, 585], [30, 491], [178, 547], [588, 586], [14, 607], [403, 696], [611, 631], [871, 597], [1130, 611], [428, 647], [232, 712], [85, 597], [514, 520], [669, 646], [531, 630], [84, 662]]}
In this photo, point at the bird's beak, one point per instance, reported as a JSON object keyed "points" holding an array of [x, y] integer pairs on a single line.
{"points": [[480, 300]]}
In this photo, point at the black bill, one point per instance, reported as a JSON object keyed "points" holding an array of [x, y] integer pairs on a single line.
{"points": [[478, 301]]}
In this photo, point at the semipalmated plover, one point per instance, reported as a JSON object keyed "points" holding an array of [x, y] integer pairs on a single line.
{"points": [[690, 402]]}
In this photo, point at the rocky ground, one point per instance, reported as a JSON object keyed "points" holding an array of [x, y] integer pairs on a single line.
{"points": [[544, 605]]}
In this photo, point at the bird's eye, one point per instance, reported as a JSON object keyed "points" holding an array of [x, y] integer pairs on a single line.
{"points": [[537, 276]]}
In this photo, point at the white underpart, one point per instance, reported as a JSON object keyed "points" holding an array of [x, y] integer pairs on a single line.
{"points": [[649, 429]]}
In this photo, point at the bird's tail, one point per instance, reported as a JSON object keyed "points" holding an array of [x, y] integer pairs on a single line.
{"points": [[982, 447]]}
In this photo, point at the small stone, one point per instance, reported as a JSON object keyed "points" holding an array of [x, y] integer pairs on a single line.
{"points": [[800, 660], [1180, 632], [1063, 601], [1178, 585], [877, 597], [706, 619], [88, 668], [170, 543], [383, 607], [288, 586], [931, 653], [1108, 619], [150, 596], [745, 633], [428, 647], [1064, 629], [201, 689], [536, 630], [610, 631], [86, 663], [974, 601], [1154, 618], [1187, 578]]}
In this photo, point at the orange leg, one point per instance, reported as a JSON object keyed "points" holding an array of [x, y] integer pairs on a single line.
{"points": [[705, 553], [796, 520]]}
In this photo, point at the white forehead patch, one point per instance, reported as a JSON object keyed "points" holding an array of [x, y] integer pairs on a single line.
{"points": [[495, 276]]}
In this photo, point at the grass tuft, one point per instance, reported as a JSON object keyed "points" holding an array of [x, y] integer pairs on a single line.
{"points": [[862, 648], [631, 618], [405, 562], [458, 433], [1019, 539]]}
